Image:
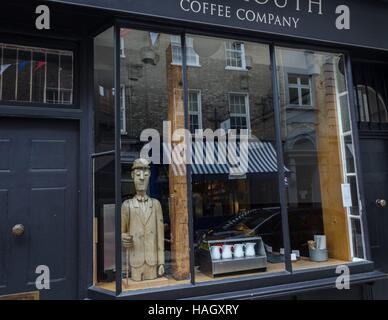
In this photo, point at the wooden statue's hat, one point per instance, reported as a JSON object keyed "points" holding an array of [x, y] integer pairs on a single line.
{"points": [[141, 164]]}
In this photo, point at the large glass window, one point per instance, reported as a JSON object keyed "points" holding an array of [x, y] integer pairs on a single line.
{"points": [[237, 220], [318, 151], [154, 197], [220, 124], [30, 74]]}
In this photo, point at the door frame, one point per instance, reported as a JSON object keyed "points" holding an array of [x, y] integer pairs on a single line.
{"points": [[80, 111]]}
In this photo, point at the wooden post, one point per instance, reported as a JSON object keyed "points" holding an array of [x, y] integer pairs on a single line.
{"points": [[330, 165], [178, 183]]}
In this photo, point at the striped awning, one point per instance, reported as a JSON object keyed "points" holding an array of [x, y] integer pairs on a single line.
{"points": [[261, 159]]}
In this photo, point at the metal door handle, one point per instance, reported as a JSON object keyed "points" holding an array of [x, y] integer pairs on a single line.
{"points": [[381, 203], [18, 230]]}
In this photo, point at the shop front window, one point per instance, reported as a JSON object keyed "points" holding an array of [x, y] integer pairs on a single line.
{"points": [[322, 189], [169, 121]]}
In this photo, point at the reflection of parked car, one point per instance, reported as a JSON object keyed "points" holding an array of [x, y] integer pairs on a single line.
{"points": [[266, 222]]}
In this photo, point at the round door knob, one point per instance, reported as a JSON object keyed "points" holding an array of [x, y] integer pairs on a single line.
{"points": [[18, 230], [381, 203]]}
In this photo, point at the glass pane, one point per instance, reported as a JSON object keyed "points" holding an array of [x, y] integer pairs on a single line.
{"points": [[306, 98], [8, 73], [343, 100], [292, 79], [194, 123], [354, 210], [313, 140], [349, 151], [52, 79], [24, 76], [358, 247], [104, 194], [154, 210], [66, 79], [104, 113], [234, 182], [38, 76], [305, 80], [104, 165], [294, 96], [374, 107], [193, 102]]}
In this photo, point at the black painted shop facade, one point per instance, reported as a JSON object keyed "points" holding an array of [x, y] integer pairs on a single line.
{"points": [[318, 165]]}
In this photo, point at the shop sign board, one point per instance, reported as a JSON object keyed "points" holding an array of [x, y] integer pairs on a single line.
{"points": [[353, 22]]}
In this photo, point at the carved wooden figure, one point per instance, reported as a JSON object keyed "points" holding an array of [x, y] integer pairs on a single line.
{"points": [[143, 228]]}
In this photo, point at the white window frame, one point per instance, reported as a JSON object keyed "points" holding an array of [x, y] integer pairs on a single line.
{"points": [[241, 52], [177, 59], [199, 111], [122, 47], [348, 174], [299, 86], [123, 111], [246, 115]]}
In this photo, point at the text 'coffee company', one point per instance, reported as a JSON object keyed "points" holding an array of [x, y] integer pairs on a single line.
{"points": [[261, 13]]}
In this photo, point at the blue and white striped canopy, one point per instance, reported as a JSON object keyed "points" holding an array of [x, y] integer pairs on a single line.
{"points": [[214, 159], [261, 159]]}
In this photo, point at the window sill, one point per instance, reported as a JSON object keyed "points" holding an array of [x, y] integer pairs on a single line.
{"points": [[304, 108], [189, 65], [271, 285], [236, 69]]}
